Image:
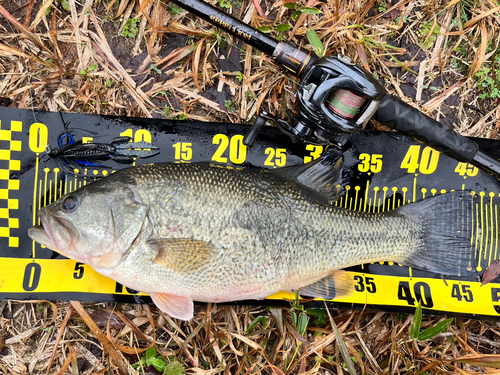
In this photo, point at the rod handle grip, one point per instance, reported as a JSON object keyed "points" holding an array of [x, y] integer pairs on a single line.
{"points": [[397, 115]]}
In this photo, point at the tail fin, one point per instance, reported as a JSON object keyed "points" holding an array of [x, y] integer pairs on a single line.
{"points": [[457, 233]]}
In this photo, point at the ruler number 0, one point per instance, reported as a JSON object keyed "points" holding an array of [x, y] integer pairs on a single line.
{"points": [[38, 137], [31, 278]]}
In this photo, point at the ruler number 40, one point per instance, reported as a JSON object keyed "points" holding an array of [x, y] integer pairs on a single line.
{"points": [[421, 293]]}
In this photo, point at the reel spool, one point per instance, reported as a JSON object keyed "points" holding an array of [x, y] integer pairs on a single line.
{"points": [[345, 103], [336, 96]]}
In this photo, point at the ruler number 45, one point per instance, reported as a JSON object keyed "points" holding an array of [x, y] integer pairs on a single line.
{"points": [[462, 292]]}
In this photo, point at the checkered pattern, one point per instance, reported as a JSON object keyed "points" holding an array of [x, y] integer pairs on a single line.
{"points": [[7, 165]]}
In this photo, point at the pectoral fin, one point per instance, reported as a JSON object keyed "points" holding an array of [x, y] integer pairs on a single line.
{"points": [[180, 254], [338, 285], [176, 306]]}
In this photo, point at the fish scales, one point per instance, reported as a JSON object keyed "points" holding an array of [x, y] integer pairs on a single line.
{"points": [[184, 232], [264, 230]]}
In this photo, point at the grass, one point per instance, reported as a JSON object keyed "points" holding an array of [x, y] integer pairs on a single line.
{"points": [[42, 55]]}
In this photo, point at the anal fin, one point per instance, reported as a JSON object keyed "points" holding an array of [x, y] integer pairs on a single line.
{"points": [[179, 307], [338, 284]]}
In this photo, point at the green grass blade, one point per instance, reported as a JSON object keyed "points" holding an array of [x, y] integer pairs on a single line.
{"points": [[431, 332], [417, 321], [315, 42]]}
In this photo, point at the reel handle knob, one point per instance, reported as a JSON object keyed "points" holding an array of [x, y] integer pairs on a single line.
{"points": [[250, 138]]}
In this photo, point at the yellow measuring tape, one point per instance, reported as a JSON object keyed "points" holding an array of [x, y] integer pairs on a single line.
{"points": [[60, 276]]}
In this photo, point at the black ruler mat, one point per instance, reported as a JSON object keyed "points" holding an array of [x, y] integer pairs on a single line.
{"points": [[387, 170]]}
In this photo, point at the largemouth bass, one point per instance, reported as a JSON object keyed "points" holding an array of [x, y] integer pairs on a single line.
{"points": [[201, 232]]}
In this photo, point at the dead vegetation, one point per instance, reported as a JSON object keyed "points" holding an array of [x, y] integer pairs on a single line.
{"points": [[44, 337], [153, 59]]}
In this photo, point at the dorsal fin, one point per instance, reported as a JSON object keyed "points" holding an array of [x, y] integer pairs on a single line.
{"points": [[324, 175]]}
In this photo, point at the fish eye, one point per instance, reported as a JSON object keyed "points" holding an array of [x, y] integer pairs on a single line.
{"points": [[70, 204]]}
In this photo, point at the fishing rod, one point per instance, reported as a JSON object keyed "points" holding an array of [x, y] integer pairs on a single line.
{"points": [[336, 96]]}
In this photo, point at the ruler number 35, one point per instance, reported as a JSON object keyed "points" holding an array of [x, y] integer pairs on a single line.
{"points": [[370, 163], [365, 283]]}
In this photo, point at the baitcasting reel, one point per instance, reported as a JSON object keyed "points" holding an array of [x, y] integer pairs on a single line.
{"points": [[334, 96]]}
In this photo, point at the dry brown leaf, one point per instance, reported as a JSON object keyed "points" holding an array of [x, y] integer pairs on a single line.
{"points": [[58, 339], [434, 103], [144, 4], [480, 56], [68, 361], [283, 2], [178, 28], [21, 27], [481, 16], [260, 10], [3, 336], [121, 9], [200, 98], [491, 273], [302, 17], [196, 63], [9, 51], [174, 56], [362, 56], [40, 14], [103, 317], [110, 5]]}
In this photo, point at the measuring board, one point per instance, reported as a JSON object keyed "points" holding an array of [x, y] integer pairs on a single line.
{"points": [[386, 170]]}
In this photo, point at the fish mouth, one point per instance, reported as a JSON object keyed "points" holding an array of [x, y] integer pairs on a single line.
{"points": [[54, 233], [38, 234]]}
